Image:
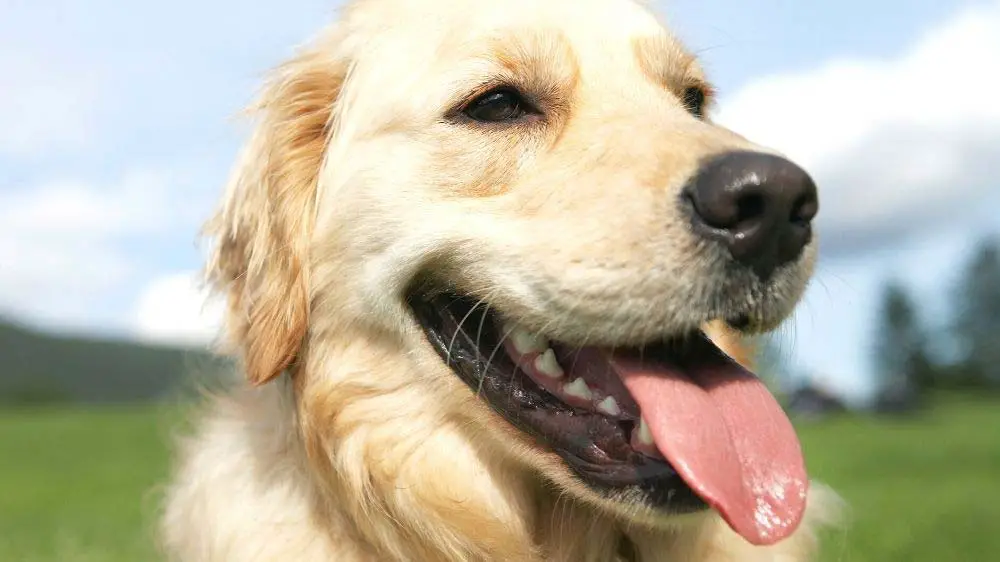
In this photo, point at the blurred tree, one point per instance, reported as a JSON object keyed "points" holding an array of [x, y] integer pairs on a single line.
{"points": [[900, 353], [977, 317]]}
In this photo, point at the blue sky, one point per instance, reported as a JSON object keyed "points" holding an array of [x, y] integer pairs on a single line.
{"points": [[118, 131]]}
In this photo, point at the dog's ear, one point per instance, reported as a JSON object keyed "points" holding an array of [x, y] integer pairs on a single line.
{"points": [[261, 234]]}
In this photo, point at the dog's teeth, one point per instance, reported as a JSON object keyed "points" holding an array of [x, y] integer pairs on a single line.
{"points": [[547, 365], [645, 437], [609, 406], [579, 389], [524, 341]]}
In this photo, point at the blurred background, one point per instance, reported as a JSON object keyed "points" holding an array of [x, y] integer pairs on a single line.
{"points": [[117, 130]]}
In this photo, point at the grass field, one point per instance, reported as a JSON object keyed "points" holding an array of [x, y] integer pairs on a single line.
{"points": [[75, 486], [79, 486]]}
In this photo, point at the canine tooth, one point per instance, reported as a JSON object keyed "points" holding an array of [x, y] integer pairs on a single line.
{"points": [[547, 364], [645, 437], [609, 406], [579, 389], [524, 341]]}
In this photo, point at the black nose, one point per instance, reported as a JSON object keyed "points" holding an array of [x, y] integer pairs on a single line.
{"points": [[759, 206]]}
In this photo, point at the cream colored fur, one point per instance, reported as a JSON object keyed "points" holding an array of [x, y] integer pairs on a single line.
{"points": [[354, 442]]}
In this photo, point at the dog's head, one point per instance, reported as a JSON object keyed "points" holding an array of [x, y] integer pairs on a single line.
{"points": [[528, 201]]}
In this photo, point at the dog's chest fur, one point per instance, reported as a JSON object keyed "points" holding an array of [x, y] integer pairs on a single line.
{"points": [[245, 491]]}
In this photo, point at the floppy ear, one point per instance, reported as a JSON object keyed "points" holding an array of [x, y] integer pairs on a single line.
{"points": [[261, 234]]}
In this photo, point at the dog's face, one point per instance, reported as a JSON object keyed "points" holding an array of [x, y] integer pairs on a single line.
{"points": [[529, 200]]}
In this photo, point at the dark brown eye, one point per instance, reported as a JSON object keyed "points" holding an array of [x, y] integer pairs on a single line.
{"points": [[501, 104], [694, 101]]}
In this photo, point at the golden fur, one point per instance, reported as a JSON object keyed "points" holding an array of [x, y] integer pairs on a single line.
{"points": [[362, 445]]}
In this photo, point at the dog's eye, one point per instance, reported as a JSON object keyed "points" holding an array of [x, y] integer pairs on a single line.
{"points": [[502, 104], [694, 101]]}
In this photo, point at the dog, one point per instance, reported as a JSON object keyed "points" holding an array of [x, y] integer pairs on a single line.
{"points": [[493, 274]]}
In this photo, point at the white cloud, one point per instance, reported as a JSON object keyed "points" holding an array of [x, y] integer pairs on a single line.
{"points": [[91, 91], [143, 202], [66, 245], [895, 144], [58, 281], [177, 309]]}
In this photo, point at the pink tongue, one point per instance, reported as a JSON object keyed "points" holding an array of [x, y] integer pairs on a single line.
{"points": [[725, 434]]}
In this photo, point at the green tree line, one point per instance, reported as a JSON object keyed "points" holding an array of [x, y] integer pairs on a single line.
{"points": [[960, 352]]}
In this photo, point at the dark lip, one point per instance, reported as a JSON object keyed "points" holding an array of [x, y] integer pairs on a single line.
{"points": [[595, 448]]}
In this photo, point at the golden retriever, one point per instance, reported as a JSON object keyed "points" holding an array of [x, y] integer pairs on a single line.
{"points": [[476, 255]]}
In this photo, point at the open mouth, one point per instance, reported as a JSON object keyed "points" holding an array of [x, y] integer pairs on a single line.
{"points": [[676, 425]]}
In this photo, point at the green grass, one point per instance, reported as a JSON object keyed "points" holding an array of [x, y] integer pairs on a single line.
{"points": [[79, 486], [926, 489]]}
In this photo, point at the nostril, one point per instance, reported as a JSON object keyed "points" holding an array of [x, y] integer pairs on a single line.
{"points": [[720, 215], [804, 210], [750, 208], [733, 213]]}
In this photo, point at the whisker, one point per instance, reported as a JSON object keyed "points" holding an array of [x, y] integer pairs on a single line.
{"points": [[489, 359], [459, 328]]}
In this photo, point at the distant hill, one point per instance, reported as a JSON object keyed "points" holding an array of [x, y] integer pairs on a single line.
{"points": [[36, 367]]}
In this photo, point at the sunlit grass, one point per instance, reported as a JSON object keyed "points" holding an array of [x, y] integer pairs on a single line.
{"points": [[924, 489], [80, 486]]}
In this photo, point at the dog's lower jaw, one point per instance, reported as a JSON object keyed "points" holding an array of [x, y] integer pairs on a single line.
{"points": [[356, 464]]}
